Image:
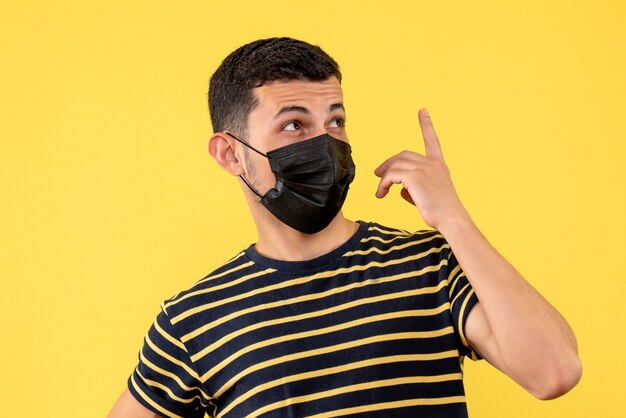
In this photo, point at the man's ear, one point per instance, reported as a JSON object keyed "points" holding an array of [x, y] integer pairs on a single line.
{"points": [[222, 149]]}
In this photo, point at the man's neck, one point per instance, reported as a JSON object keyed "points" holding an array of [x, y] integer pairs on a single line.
{"points": [[283, 243]]}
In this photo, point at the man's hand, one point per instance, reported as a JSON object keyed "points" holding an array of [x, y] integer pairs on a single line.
{"points": [[425, 179]]}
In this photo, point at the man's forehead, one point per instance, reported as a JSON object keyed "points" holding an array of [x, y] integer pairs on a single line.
{"points": [[294, 92]]}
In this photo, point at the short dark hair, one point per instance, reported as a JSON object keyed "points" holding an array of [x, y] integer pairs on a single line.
{"points": [[274, 59]]}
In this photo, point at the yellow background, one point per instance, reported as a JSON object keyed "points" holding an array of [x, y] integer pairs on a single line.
{"points": [[110, 202]]}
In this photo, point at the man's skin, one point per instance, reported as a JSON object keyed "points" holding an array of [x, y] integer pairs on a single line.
{"points": [[513, 327]]}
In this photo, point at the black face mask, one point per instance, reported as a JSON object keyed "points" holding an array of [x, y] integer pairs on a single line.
{"points": [[312, 181]]}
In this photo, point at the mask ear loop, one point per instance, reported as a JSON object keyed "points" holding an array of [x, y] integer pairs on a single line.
{"points": [[255, 150], [250, 187], [246, 144]]}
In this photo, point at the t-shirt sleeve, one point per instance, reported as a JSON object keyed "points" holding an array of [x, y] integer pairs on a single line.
{"points": [[462, 300], [164, 380]]}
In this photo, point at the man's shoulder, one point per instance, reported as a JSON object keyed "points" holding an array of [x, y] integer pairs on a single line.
{"points": [[227, 272], [408, 249], [388, 234]]}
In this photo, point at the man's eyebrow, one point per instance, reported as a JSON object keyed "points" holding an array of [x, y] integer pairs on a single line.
{"points": [[306, 111], [287, 109], [336, 106]]}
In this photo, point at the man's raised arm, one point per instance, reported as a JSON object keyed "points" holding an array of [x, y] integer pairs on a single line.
{"points": [[128, 407], [512, 326]]}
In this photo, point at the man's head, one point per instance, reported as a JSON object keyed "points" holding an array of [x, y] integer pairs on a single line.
{"points": [[270, 94], [231, 89]]}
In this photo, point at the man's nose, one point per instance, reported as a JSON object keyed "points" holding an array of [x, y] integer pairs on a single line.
{"points": [[319, 130]]}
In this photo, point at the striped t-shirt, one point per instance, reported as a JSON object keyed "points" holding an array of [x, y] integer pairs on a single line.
{"points": [[372, 329]]}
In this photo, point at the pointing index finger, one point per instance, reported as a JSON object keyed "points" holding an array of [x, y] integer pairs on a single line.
{"points": [[431, 141]]}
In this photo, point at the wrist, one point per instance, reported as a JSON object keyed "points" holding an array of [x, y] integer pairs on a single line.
{"points": [[456, 223]]}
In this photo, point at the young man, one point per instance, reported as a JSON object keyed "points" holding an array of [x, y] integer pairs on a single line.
{"points": [[328, 317]]}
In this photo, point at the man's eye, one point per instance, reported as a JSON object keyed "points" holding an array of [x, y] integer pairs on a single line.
{"points": [[292, 126], [337, 123]]}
